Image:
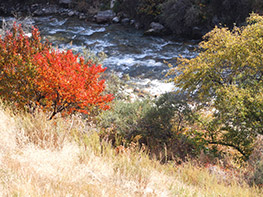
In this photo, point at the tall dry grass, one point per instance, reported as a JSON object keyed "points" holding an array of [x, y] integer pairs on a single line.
{"points": [[65, 157]]}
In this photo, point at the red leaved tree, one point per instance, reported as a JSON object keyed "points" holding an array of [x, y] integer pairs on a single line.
{"points": [[69, 84], [17, 73], [32, 73]]}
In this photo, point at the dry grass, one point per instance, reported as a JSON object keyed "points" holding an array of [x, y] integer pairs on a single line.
{"points": [[65, 157]]}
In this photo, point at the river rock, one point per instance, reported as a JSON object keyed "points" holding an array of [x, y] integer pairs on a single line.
{"points": [[104, 16], [116, 19], [46, 10], [65, 1], [156, 29], [71, 13], [82, 16], [132, 22], [125, 21], [198, 32], [156, 26]]}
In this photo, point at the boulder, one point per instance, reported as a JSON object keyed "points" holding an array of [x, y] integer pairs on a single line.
{"points": [[116, 19], [157, 26], [65, 1], [104, 16], [156, 29], [82, 16], [45, 10], [71, 13], [197, 32], [125, 21], [132, 22]]}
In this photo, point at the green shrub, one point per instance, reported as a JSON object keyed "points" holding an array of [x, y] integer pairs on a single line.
{"points": [[165, 126], [170, 125], [257, 176], [256, 163], [124, 116]]}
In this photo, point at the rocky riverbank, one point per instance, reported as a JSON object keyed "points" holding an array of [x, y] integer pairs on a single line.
{"points": [[180, 18], [39, 9], [68, 9], [65, 8]]}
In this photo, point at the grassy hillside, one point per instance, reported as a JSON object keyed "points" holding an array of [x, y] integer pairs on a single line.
{"points": [[65, 156]]}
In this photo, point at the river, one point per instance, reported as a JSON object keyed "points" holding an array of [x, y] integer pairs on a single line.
{"points": [[128, 50]]}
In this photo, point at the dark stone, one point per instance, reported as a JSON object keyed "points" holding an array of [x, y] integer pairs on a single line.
{"points": [[116, 19], [125, 21], [156, 29], [82, 16], [104, 16], [197, 32], [45, 10], [71, 13], [132, 22], [65, 1], [157, 26]]}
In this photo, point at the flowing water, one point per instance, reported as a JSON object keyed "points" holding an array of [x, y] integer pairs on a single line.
{"points": [[128, 50]]}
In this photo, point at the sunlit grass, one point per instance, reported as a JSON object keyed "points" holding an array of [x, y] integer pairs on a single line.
{"points": [[65, 156]]}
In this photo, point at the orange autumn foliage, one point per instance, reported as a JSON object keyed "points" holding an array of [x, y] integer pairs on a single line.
{"points": [[33, 74], [17, 72], [68, 83]]}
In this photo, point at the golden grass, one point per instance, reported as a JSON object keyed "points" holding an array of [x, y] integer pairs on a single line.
{"points": [[65, 157]]}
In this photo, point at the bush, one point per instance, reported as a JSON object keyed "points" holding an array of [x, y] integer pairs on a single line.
{"points": [[35, 74], [124, 117], [170, 125], [227, 77], [257, 177], [255, 161], [165, 126], [18, 73], [67, 83]]}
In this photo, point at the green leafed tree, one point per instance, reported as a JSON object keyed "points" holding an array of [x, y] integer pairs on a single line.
{"points": [[227, 76]]}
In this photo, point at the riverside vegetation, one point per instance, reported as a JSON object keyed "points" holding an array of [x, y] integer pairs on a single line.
{"points": [[67, 136]]}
